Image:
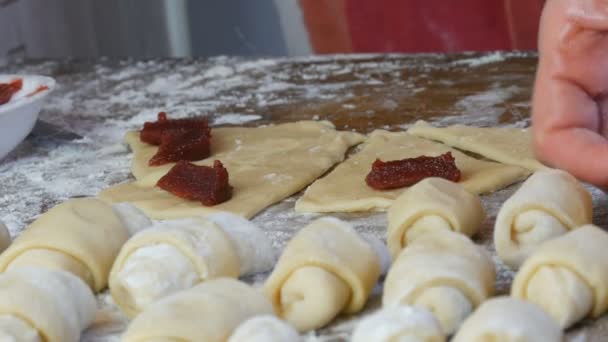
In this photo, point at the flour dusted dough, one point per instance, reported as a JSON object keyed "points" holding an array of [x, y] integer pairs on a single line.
{"points": [[444, 272], [433, 204], [325, 270], [132, 218], [5, 237], [265, 164], [82, 236], [402, 323], [254, 248], [193, 250], [40, 304], [509, 320], [345, 190], [511, 146], [547, 205], [265, 329], [207, 312], [13, 329], [568, 276]]}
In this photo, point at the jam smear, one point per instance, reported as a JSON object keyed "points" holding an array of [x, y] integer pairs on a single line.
{"points": [[7, 90], [153, 131], [406, 172], [208, 185], [38, 90], [179, 145]]}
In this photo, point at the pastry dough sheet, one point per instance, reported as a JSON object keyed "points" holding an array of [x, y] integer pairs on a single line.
{"points": [[511, 146], [265, 164], [345, 190]]}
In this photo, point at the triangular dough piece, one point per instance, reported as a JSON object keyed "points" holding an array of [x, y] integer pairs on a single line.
{"points": [[511, 146], [345, 190], [265, 165]]}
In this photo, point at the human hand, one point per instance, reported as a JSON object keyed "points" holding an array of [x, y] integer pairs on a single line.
{"points": [[570, 101]]}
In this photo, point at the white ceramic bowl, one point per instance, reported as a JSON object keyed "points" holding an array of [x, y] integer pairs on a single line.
{"points": [[19, 115]]}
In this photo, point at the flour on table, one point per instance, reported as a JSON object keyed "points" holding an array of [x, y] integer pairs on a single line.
{"points": [[218, 71], [235, 119], [485, 59], [102, 101]]}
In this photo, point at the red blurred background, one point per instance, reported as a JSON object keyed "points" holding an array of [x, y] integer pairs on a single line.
{"points": [[343, 26]]}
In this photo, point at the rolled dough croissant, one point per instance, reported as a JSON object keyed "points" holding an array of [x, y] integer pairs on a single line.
{"points": [[444, 272], [177, 254], [547, 205], [82, 236], [37, 304], [433, 204], [325, 270], [5, 237], [568, 276], [401, 323], [265, 329], [508, 319], [207, 312], [170, 257]]}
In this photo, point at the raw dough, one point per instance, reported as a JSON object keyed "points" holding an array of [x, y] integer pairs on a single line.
{"points": [[265, 164], [326, 269], [198, 247], [132, 218], [52, 306], [508, 319], [208, 312], [265, 329], [547, 205], [14, 329], [402, 323], [511, 146], [84, 236], [53, 260], [254, 248], [444, 272], [381, 251], [150, 273], [344, 189], [5, 237], [568, 276], [433, 204]]}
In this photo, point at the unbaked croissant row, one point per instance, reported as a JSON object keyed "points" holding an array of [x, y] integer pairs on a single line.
{"points": [[325, 270]]}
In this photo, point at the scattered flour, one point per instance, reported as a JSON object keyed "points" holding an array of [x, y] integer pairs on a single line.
{"points": [[485, 59], [235, 119], [102, 103], [218, 71]]}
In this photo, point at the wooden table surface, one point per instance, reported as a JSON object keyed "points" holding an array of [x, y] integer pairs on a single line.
{"points": [[76, 149]]}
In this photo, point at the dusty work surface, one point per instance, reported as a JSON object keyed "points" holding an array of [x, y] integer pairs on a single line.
{"points": [[76, 150]]}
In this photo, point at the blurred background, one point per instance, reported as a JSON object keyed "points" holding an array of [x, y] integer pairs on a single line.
{"points": [[197, 28]]}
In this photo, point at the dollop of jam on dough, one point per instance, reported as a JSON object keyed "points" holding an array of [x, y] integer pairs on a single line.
{"points": [[208, 185], [406, 172], [178, 144], [178, 139]]}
